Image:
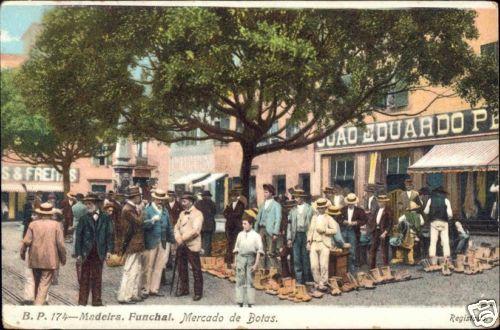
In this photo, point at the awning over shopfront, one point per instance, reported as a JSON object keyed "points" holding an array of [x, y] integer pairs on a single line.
{"points": [[459, 157], [211, 178], [187, 179], [33, 186]]}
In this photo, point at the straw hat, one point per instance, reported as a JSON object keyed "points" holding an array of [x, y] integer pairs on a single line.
{"points": [[159, 194], [413, 206], [299, 193], [289, 204], [321, 203], [45, 209], [92, 197], [109, 206], [252, 213], [351, 198], [333, 210]]}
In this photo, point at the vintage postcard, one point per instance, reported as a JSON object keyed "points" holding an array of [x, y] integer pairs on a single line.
{"points": [[249, 164]]}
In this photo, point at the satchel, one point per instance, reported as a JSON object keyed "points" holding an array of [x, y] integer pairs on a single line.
{"points": [[116, 260]]}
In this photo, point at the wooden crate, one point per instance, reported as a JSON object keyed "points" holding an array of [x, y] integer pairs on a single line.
{"points": [[337, 265]]}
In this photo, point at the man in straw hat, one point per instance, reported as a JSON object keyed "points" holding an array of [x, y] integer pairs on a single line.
{"points": [[337, 239], [299, 220], [208, 209], [415, 222], [438, 208], [233, 213], [353, 218], [93, 244], [267, 224], [45, 241], [379, 227], [248, 249], [187, 234], [158, 235], [131, 243], [319, 242]]}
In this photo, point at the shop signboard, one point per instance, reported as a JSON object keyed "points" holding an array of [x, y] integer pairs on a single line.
{"points": [[36, 174]]}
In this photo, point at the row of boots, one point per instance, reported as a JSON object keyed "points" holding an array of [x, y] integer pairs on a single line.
{"points": [[217, 267]]}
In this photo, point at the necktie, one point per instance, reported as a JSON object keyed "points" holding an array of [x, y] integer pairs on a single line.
{"points": [[187, 212]]}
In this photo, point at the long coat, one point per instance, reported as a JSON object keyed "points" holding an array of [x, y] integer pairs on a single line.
{"points": [[45, 240], [131, 222], [188, 228], [358, 215], [233, 218], [293, 219], [161, 230], [89, 231], [67, 212], [385, 224], [208, 209]]}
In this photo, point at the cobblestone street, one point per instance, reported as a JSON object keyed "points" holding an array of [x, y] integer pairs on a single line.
{"points": [[431, 290]]}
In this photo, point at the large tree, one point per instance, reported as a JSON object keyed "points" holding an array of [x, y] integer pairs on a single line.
{"points": [[319, 69], [66, 104]]}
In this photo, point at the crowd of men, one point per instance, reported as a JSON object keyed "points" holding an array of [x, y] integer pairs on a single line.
{"points": [[285, 235]]}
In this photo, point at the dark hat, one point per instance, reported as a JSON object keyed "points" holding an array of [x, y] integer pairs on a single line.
{"points": [[171, 193], [237, 187], [269, 187], [92, 197], [51, 196], [424, 191], [133, 191], [188, 195], [440, 190], [370, 188], [79, 196], [409, 180], [206, 193], [327, 190], [383, 198]]}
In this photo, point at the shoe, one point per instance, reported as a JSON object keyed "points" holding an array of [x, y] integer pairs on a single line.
{"points": [[137, 299], [144, 295], [27, 302], [258, 280], [302, 294], [182, 293], [459, 263], [396, 261], [196, 297], [130, 302], [364, 281], [157, 294], [249, 305], [353, 281], [240, 304], [99, 304], [285, 289], [446, 270], [402, 275], [317, 294], [293, 290]]}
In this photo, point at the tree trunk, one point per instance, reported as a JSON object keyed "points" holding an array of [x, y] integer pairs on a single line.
{"points": [[66, 179], [246, 167]]}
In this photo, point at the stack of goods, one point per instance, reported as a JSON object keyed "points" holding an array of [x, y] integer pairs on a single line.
{"points": [[217, 267], [475, 261]]}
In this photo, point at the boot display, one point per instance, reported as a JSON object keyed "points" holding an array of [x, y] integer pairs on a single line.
{"points": [[272, 287], [258, 279], [285, 290], [293, 290], [459, 263], [375, 273], [364, 281], [386, 273], [334, 286], [302, 294]]}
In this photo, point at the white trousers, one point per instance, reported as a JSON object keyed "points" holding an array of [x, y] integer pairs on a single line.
{"points": [[155, 260], [319, 256], [29, 284], [439, 228], [130, 286]]}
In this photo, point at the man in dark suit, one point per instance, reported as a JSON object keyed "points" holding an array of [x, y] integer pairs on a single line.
{"points": [[353, 218], [233, 213], [207, 207], [66, 208], [173, 206], [379, 226]]}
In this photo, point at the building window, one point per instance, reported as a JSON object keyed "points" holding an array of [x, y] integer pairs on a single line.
{"points": [[194, 133], [305, 183], [98, 188], [279, 182], [291, 129], [101, 158], [273, 129], [397, 165], [342, 172], [395, 99], [142, 149], [223, 123]]}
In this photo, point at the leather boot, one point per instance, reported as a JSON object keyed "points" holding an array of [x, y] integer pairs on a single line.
{"points": [[375, 273], [334, 285], [257, 280], [402, 275], [285, 290], [426, 265], [398, 257], [445, 270], [459, 263], [293, 290], [272, 287], [386, 273], [364, 281], [302, 293], [411, 260]]}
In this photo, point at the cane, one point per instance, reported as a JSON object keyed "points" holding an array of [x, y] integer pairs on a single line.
{"points": [[173, 273]]}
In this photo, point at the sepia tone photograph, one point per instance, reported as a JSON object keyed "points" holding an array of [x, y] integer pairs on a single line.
{"points": [[205, 164]]}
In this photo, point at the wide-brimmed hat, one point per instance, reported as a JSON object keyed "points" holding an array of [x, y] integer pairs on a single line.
{"points": [[79, 196], [45, 209], [370, 188], [327, 190], [92, 197], [383, 198], [333, 210], [206, 193], [321, 203], [171, 193], [408, 181], [440, 190], [159, 194], [269, 187], [236, 188], [413, 206], [351, 198], [250, 213], [299, 193], [110, 206], [188, 195], [71, 194], [132, 191]]}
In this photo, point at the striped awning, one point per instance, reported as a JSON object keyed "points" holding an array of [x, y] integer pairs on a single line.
{"points": [[211, 178], [32, 186], [459, 157], [187, 179]]}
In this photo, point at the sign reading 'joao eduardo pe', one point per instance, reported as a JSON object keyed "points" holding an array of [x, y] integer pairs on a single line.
{"points": [[458, 123]]}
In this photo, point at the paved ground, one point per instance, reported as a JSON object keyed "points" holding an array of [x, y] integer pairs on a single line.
{"points": [[431, 290]]}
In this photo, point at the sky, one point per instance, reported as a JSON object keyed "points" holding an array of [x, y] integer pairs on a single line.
{"points": [[14, 21]]}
